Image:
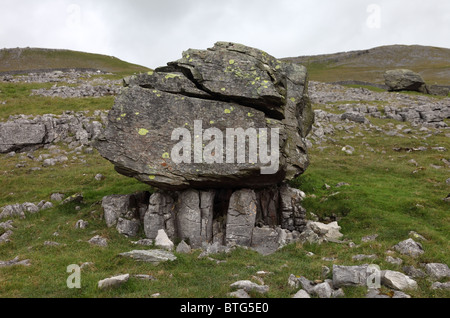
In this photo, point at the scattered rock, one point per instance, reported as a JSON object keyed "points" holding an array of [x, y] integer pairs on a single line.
{"points": [[361, 257], [437, 285], [301, 294], [99, 177], [413, 272], [183, 248], [129, 228], [144, 277], [81, 224], [163, 241], [437, 270], [51, 243], [57, 197], [240, 293], [4, 238], [369, 238], [249, 286], [348, 150], [144, 242], [349, 275], [394, 260], [113, 282], [409, 247], [397, 280], [150, 256]]}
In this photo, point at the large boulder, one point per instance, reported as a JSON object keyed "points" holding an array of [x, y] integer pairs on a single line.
{"points": [[405, 80], [175, 128]]}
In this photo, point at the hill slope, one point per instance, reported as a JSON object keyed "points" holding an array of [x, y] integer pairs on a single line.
{"points": [[31, 59], [432, 63]]}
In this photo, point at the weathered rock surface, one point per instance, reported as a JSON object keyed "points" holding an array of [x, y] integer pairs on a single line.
{"points": [[113, 282], [24, 132], [409, 247], [204, 93], [397, 280], [249, 286], [405, 80]]}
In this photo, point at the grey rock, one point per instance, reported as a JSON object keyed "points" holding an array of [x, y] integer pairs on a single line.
{"points": [[81, 224], [15, 262], [144, 277], [409, 247], [163, 241], [361, 257], [239, 87], [413, 272], [240, 293], [57, 197], [144, 242], [74, 198], [160, 214], [394, 260], [30, 207], [402, 79], [129, 207], [113, 282], [98, 241], [213, 248], [301, 294], [397, 280], [437, 270], [265, 240], [249, 286], [355, 117], [8, 225], [17, 136], [11, 211], [129, 228], [4, 238], [437, 285], [323, 290], [241, 218], [369, 238], [150, 256], [183, 248], [349, 275]]}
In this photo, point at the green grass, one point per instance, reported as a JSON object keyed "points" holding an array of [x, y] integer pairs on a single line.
{"points": [[386, 196]]}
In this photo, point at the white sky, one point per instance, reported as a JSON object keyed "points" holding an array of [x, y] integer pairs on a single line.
{"points": [[154, 32]]}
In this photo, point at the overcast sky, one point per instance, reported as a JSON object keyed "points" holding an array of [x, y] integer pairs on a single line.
{"points": [[154, 32]]}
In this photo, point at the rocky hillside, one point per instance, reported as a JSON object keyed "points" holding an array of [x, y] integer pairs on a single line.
{"points": [[432, 63], [26, 60]]}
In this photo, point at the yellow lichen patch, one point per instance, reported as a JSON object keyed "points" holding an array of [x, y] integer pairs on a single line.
{"points": [[152, 177], [227, 111], [123, 115], [170, 75], [150, 73], [212, 122], [250, 115], [143, 132], [231, 62], [293, 99], [223, 89], [136, 113], [166, 155]]}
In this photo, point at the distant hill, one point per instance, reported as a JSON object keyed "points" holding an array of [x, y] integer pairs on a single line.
{"points": [[32, 59], [432, 63]]}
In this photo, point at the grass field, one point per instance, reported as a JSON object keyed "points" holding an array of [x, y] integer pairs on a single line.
{"points": [[386, 195]]}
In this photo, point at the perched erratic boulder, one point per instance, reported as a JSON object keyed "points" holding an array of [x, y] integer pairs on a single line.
{"points": [[405, 80], [218, 133], [230, 116]]}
